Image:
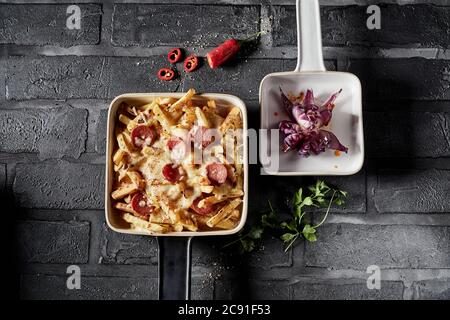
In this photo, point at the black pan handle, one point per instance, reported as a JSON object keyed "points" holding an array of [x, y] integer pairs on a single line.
{"points": [[174, 268]]}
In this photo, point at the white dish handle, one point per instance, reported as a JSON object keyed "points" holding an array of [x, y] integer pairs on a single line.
{"points": [[309, 36]]}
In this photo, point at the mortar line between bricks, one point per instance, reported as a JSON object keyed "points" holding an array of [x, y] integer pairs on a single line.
{"points": [[276, 53]]}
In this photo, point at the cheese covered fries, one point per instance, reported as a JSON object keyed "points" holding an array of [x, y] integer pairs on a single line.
{"points": [[178, 165]]}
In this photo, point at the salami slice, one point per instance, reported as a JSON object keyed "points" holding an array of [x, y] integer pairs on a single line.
{"points": [[171, 173], [217, 173], [143, 136], [202, 211], [142, 205]]}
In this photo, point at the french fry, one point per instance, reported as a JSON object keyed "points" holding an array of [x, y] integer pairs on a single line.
{"points": [[149, 106], [212, 104], [214, 119], [232, 121], [122, 175], [186, 221], [132, 110], [178, 227], [209, 201], [123, 143], [223, 213], [206, 189], [137, 179], [124, 119], [118, 156], [167, 100], [145, 225], [131, 125], [183, 99], [122, 192], [235, 214], [163, 119], [226, 224], [201, 118], [124, 207]]}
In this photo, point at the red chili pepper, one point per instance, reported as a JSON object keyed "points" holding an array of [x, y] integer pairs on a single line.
{"points": [[226, 50], [222, 53], [191, 63], [174, 55], [166, 74]]}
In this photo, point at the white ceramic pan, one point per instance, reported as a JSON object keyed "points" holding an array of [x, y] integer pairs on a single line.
{"points": [[174, 247], [310, 73]]}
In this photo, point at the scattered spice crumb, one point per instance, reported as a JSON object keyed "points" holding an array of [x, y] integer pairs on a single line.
{"points": [[337, 153]]}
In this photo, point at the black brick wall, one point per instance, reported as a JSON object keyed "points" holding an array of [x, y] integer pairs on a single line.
{"points": [[55, 87]]}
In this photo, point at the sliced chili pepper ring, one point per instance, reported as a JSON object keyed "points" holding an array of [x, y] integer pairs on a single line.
{"points": [[191, 63], [174, 55], [166, 74]]}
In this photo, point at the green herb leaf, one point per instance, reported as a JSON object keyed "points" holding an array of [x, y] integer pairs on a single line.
{"points": [[310, 237], [307, 201], [287, 237], [256, 232], [317, 195], [308, 229], [247, 245]]}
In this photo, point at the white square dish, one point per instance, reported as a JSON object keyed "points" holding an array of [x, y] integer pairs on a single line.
{"points": [[346, 122]]}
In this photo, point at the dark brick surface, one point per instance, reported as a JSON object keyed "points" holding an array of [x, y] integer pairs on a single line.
{"points": [[316, 289], [59, 77], [2, 177], [202, 288], [241, 79], [46, 25], [412, 191], [346, 26], [387, 246], [53, 132], [271, 255], [117, 248], [153, 25], [407, 134], [269, 290], [407, 79], [432, 289], [59, 185], [52, 146], [53, 287], [53, 242], [49, 287], [2, 77], [260, 191], [289, 65], [100, 132]]}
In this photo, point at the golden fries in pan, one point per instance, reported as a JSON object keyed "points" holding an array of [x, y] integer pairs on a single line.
{"points": [[159, 184]]}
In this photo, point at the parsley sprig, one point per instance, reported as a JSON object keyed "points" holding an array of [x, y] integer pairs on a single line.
{"points": [[318, 195]]}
